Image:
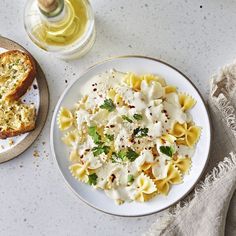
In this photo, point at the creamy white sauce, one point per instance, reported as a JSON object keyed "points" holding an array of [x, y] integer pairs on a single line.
{"points": [[158, 111]]}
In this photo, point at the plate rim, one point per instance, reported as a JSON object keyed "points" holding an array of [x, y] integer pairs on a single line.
{"points": [[44, 98], [55, 120]]}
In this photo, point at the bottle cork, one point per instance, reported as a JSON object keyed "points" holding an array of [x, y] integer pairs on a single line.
{"points": [[48, 5]]}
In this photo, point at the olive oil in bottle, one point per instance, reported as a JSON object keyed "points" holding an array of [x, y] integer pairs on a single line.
{"points": [[65, 27]]}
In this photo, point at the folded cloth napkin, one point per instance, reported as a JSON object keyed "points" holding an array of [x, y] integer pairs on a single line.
{"points": [[210, 210]]}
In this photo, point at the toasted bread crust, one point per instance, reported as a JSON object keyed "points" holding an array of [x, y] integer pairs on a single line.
{"points": [[12, 133], [24, 84]]}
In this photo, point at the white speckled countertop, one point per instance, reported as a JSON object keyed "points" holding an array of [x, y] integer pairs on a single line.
{"points": [[195, 36]]}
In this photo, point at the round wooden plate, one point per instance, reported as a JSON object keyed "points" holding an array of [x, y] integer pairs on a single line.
{"points": [[27, 141]]}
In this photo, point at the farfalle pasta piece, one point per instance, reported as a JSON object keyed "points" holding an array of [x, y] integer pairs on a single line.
{"points": [[148, 197], [178, 130], [182, 163], [111, 93], [117, 98], [65, 119], [133, 80], [173, 177], [186, 134], [81, 103], [93, 163], [144, 185], [145, 166], [80, 171], [186, 101], [149, 78], [71, 138], [170, 89], [74, 157], [181, 141], [168, 137], [145, 160], [192, 135]]}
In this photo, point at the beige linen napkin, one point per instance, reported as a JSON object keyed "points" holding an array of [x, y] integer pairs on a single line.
{"points": [[210, 210]]}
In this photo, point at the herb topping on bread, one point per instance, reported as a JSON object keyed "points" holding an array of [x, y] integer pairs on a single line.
{"points": [[17, 72]]}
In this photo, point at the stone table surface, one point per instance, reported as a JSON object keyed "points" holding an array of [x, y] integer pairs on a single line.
{"points": [[197, 37]]}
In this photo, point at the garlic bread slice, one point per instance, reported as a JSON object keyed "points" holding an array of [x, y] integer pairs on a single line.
{"points": [[17, 72]]}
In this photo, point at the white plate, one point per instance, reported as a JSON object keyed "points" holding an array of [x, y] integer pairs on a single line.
{"points": [[97, 198], [38, 95]]}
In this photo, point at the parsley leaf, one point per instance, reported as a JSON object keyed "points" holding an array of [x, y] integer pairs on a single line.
{"points": [[121, 154], [131, 154], [92, 179], [94, 134], [100, 149], [169, 151], [108, 105], [127, 119], [118, 157], [137, 117], [110, 137], [114, 158], [130, 179], [140, 132]]}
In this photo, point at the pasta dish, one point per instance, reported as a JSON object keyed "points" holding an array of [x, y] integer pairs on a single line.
{"points": [[130, 135]]}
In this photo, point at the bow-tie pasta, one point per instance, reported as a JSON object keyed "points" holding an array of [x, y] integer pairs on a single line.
{"points": [[65, 119]]}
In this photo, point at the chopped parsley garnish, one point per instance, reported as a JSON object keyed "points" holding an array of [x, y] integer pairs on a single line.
{"points": [[140, 132], [100, 149], [114, 158], [108, 105], [138, 117], [169, 151], [131, 154], [118, 157], [130, 179], [124, 155], [110, 137], [92, 179], [121, 154], [94, 134], [127, 119]]}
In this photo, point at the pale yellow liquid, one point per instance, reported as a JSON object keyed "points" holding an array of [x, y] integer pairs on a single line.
{"points": [[67, 30]]}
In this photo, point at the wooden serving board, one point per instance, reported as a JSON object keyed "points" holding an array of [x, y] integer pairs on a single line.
{"points": [[38, 94]]}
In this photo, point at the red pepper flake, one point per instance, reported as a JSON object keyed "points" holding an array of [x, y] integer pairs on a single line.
{"points": [[112, 177]]}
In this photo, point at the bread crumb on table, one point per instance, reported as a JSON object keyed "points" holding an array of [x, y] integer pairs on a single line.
{"points": [[36, 153]]}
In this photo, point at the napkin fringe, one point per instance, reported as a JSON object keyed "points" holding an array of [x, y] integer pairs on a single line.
{"points": [[228, 111], [166, 220], [223, 89]]}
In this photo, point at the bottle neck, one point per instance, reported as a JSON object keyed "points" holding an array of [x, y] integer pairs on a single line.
{"points": [[51, 8]]}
